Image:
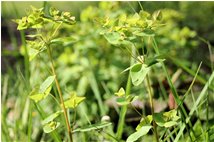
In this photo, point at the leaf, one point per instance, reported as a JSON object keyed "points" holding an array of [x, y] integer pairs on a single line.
{"points": [[39, 93], [51, 126], [144, 121], [159, 119], [122, 101], [36, 96], [146, 32], [166, 119], [138, 73], [170, 114], [92, 127], [136, 135], [170, 124], [73, 101], [51, 117], [157, 15], [121, 92], [32, 53], [46, 84], [113, 37]]}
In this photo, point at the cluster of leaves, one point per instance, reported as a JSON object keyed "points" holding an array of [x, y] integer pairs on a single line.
{"points": [[37, 18], [128, 28]]}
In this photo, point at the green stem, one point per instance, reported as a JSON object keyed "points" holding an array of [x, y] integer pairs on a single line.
{"points": [[123, 111], [174, 92], [152, 106], [60, 94]]}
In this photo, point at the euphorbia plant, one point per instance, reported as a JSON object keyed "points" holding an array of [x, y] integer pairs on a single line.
{"points": [[50, 21], [133, 32]]}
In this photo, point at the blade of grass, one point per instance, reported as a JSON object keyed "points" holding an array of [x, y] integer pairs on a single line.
{"points": [[43, 115], [172, 87], [30, 125], [178, 63], [207, 97], [194, 108], [95, 89]]}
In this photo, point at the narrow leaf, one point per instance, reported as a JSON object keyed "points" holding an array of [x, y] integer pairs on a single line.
{"points": [[136, 135], [92, 127], [51, 117], [46, 84]]}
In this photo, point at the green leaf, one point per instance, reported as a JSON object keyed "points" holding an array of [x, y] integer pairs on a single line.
{"points": [[32, 53], [36, 96], [39, 93], [113, 37], [138, 73], [159, 119], [73, 101], [46, 84], [144, 121], [51, 117], [136, 135], [121, 92], [146, 32], [92, 127], [51, 126], [166, 119], [157, 15], [170, 124], [170, 115], [122, 101]]}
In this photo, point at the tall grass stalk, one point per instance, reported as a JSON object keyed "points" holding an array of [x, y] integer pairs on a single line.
{"points": [[195, 106], [173, 89]]}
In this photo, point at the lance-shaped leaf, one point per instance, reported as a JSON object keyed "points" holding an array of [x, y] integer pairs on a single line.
{"points": [[138, 73], [51, 117], [42, 92], [141, 132], [92, 127], [73, 101]]}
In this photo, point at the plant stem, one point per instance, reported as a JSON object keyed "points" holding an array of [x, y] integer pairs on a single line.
{"points": [[123, 111], [152, 106], [60, 94], [174, 92]]}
